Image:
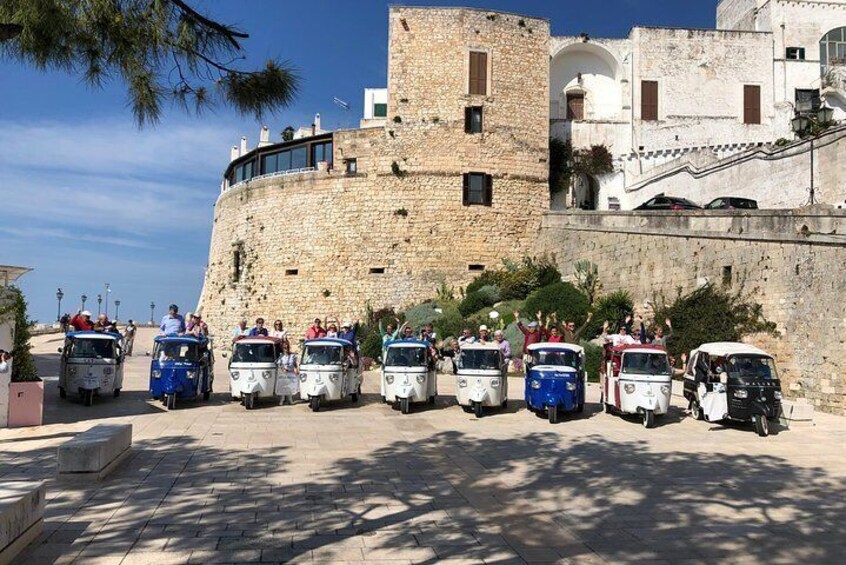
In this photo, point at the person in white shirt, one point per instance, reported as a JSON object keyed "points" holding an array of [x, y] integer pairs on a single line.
{"points": [[278, 331], [240, 330], [622, 336]]}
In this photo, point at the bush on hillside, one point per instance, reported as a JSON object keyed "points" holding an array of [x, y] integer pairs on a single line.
{"points": [[568, 302], [371, 346], [490, 292], [593, 358], [515, 280], [613, 308], [420, 315], [449, 324], [708, 315], [475, 301]]}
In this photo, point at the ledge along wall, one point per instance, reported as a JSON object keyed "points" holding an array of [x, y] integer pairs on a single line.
{"points": [[791, 262]]}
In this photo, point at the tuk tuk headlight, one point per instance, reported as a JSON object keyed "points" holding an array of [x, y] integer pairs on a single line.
{"points": [[107, 370], [629, 389], [571, 385], [462, 383], [535, 384], [741, 393], [72, 370], [665, 389], [265, 374], [421, 378], [333, 377], [156, 374], [303, 377], [235, 375], [495, 383], [191, 375], [389, 379], [778, 395]]}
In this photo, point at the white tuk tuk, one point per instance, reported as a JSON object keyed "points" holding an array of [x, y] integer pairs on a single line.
{"points": [[482, 378], [638, 380], [92, 364], [253, 373], [408, 374], [329, 370]]}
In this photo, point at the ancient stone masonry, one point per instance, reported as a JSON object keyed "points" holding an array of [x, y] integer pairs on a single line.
{"points": [[788, 261], [327, 243]]}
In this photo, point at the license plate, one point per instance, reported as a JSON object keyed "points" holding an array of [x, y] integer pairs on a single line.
{"points": [[91, 382]]}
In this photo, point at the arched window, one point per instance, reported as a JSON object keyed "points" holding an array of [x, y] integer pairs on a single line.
{"points": [[833, 49]]}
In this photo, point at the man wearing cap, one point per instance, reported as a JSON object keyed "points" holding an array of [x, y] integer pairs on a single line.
{"points": [[82, 321], [531, 334], [484, 334], [349, 331], [173, 322], [316, 331]]}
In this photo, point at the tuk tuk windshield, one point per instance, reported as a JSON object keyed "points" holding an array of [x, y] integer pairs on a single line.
{"points": [[181, 352], [322, 355], [641, 363], [480, 359], [81, 348], [405, 357], [556, 358], [751, 367], [254, 353]]}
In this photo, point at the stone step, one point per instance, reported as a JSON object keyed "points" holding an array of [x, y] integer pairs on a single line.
{"points": [[94, 453], [21, 516], [796, 414]]}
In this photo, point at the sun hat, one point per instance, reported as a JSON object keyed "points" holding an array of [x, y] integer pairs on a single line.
{"points": [[86, 313], [533, 324], [483, 328]]}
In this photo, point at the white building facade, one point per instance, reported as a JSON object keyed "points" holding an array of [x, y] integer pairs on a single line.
{"points": [[666, 99]]}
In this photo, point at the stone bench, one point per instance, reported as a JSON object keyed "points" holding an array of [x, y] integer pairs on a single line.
{"points": [[796, 414], [93, 454], [21, 516]]}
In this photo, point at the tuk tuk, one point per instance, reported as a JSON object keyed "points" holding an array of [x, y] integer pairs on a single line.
{"points": [[482, 378], [733, 381], [408, 374], [555, 379], [329, 370], [638, 380], [91, 365], [182, 367], [253, 372]]}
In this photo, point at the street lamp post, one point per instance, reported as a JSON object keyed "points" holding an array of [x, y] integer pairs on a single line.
{"points": [[117, 309], [152, 312], [108, 291], [84, 298], [59, 295], [99, 304], [812, 125]]}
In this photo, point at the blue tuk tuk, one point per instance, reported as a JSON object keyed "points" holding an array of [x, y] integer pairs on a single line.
{"points": [[182, 367], [555, 379]]}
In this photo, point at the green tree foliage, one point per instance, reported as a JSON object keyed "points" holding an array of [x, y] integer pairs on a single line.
{"points": [[593, 358], [560, 158], [517, 279], [15, 309], [568, 302], [162, 50], [708, 315], [371, 345], [611, 308], [449, 324], [421, 314], [565, 163], [473, 302]]}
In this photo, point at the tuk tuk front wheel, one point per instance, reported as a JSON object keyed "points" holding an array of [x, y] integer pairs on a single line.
{"points": [[432, 400], [648, 419], [404, 406], [696, 410], [207, 395], [356, 395], [552, 414], [88, 397], [63, 393], [116, 393], [249, 401], [170, 401], [478, 409], [580, 407], [762, 425], [468, 409], [314, 403]]}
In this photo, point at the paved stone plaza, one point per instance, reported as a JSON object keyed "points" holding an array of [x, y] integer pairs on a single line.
{"points": [[213, 483]]}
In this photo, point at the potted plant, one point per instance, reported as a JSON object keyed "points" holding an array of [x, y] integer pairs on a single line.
{"points": [[26, 390]]}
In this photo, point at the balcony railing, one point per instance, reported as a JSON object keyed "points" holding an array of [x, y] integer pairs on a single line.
{"points": [[289, 172]]}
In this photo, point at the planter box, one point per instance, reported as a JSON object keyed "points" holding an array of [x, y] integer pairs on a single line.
{"points": [[26, 404]]}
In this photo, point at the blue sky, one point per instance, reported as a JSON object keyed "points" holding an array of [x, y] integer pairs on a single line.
{"points": [[88, 198]]}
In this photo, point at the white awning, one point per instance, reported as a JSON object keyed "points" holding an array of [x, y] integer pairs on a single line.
{"points": [[10, 274]]}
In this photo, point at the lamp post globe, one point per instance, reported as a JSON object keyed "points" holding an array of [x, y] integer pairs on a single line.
{"points": [[84, 298], [117, 310], [59, 296], [152, 312], [825, 115], [99, 303], [800, 124]]}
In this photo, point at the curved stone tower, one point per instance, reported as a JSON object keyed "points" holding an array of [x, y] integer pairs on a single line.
{"points": [[454, 182]]}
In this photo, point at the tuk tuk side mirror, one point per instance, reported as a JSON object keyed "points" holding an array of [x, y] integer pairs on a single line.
{"points": [[60, 350], [379, 359], [147, 354], [224, 355]]}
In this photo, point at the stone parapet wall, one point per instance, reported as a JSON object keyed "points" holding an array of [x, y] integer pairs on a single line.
{"points": [[788, 261]]}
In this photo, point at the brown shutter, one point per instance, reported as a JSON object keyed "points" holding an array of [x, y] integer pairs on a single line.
{"points": [[575, 106], [488, 199], [751, 104], [649, 100], [478, 73], [465, 193]]}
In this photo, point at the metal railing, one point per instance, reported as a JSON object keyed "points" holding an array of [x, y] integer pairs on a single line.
{"points": [[272, 175]]}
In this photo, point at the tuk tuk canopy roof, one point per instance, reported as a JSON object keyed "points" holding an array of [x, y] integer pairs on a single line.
{"points": [[328, 341], [407, 343], [480, 346], [260, 339], [726, 348], [180, 339], [91, 334], [546, 346], [641, 347]]}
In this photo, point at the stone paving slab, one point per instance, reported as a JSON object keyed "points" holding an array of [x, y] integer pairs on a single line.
{"points": [[362, 483]]}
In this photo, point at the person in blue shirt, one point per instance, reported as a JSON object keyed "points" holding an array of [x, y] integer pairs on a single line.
{"points": [[173, 323], [259, 329], [349, 331]]}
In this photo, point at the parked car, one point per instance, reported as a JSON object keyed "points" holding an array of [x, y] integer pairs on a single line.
{"points": [[732, 203], [662, 202]]}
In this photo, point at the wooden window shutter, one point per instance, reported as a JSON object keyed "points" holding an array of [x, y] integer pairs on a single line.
{"points": [[488, 190], [465, 193], [649, 100], [478, 73], [751, 104]]}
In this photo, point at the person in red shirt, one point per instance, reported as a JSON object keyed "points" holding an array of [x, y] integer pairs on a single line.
{"points": [[555, 336], [82, 321], [316, 331], [534, 333]]}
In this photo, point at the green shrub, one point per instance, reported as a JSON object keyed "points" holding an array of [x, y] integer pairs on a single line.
{"points": [[568, 302], [490, 292], [593, 358], [474, 302], [15, 309], [515, 280], [488, 278], [708, 315], [449, 324], [613, 308], [372, 345], [421, 314]]}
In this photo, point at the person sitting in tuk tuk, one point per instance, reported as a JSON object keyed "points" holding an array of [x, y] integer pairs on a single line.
{"points": [[102, 324], [466, 337], [428, 334], [332, 330], [82, 321], [278, 331], [240, 330], [622, 336], [315, 331], [533, 333], [503, 344], [391, 333], [259, 329], [554, 335], [573, 335], [408, 334], [484, 334], [349, 332], [173, 322]]}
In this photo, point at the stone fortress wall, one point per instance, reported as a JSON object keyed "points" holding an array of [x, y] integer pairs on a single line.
{"points": [[791, 262], [326, 243]]}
